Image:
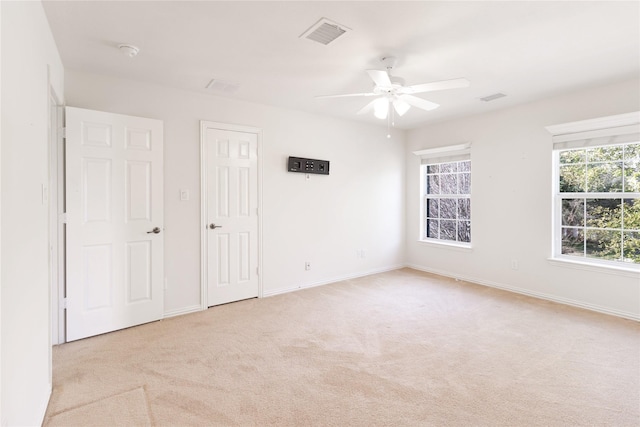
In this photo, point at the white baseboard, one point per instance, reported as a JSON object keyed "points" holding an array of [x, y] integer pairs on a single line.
{"points": [[539, 295], [181, 311], [332, 280]]}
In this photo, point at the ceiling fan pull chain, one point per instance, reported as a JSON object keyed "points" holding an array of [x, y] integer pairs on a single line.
{"points": [[389, 124]]}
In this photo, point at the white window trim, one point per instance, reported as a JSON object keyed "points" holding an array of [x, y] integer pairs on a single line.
{"points": [[450, 153], [446, 244], [599, 131]]}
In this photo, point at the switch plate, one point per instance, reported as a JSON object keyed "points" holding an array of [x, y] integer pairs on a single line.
{"points": [[184, 195], [45, 194]]}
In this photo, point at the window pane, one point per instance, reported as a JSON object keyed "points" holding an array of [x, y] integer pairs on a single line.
{"points": [[448, 209], [601, 226], [448, 184], [433, 184], [632, 214], [573, 212], [432, 228], [433, 168], [433, 210], [464, 208], [447, 230], [464, 166], [464, 231], [632, 169], [604, 177], [447, 215], [572, 156], [572, 241], [604, 244], [632, 247], [447, 167], [572, 178], [632, 152], [604, 213], [604, 154], [464, 183]]}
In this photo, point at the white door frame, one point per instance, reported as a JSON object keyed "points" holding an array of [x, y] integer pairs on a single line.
{"points": [[204, 235], [56, 218]]}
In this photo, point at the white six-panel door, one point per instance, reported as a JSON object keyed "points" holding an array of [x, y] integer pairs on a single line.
{"points": [[231, 214], [114, 201]]}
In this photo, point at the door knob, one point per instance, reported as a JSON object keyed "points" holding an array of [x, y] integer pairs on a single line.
{"points": [[156, 230], [213, 226]]}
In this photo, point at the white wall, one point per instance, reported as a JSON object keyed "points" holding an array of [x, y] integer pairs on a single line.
{"points": [[27, 50], [511, 201], [324, 220]]}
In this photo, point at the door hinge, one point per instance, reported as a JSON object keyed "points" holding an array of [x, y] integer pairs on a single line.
{"points": [[257, 271], [63, 218], [64, 303], [63, 132]]}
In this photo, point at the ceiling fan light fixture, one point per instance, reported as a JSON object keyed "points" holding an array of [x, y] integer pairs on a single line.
{"points": [[381, 108], [401, 107]]}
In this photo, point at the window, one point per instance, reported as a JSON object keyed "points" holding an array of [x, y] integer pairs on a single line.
{"points": [[446, 195], [597, 194]]}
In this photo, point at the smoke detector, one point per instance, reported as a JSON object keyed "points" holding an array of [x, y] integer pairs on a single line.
{"points": [[129, 50]]}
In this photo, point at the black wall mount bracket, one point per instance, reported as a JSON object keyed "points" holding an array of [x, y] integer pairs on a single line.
{"points": [[304, 165]]}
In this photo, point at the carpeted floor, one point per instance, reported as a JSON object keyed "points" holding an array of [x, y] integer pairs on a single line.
{"points": [[402, 348]]}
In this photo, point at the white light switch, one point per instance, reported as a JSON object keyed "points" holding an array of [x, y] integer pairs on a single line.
{"points": [[45, 194], [184, 194]]}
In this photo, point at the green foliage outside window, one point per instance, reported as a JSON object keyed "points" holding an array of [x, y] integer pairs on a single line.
{"points": [[600, 205]]}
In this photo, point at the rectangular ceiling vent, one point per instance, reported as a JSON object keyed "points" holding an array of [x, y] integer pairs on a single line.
{"points": [[324, 31], [492, 97], [221, 86]]}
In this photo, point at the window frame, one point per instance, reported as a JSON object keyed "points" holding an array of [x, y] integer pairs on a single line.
{"points": [[439, 155], [605, 131]]}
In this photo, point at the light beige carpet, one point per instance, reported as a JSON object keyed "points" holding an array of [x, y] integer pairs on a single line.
{"points": [[401, 348]]}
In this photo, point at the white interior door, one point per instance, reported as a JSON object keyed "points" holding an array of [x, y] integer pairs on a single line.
{"points": [[231, 214], [114, 203]]}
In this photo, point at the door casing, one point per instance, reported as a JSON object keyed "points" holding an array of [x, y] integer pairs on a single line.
{"points": [[56, 217], [204, 274]]}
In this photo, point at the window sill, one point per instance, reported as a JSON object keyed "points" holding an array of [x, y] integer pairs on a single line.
{"points": [[460, 247], [599, 268]]}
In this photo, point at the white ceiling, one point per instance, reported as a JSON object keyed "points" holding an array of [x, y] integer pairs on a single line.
{"points": [[527, 50]]}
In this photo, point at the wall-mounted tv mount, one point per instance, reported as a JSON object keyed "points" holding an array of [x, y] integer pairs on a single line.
{"points": [[300, 164]]}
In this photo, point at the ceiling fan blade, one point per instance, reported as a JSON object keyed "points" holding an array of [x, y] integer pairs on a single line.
{"points": [[419, 102], [433, 86], [347, 94], [367, 107], [381, 78]]}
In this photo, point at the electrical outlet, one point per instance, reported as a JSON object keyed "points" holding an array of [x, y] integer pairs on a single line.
{"points": [[514, 264], [307, 265]]}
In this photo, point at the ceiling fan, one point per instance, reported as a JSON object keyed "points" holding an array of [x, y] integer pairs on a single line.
{"points": [[390, 90]]}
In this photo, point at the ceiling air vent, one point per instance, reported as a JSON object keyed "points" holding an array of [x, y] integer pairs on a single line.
{"points": [[492, 97], [324, 31], [218, 85]]}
